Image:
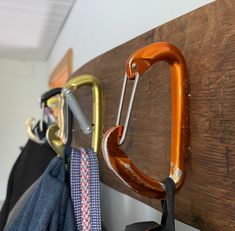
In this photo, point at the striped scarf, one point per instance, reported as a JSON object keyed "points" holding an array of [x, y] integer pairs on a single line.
{"points": [[85, 189]]}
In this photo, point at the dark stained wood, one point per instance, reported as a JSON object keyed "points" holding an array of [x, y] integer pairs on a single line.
{"points": [[206, 37]]}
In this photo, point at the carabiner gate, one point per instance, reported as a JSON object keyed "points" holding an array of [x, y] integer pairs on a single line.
{"points": [[125, 127]]}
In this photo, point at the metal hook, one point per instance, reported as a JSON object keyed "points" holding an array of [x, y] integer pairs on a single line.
{"points": [[95, 127], [89, 80], [116, 159]]}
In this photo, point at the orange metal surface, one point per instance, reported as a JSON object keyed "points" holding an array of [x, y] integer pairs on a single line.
{"points": [[117, 160]]}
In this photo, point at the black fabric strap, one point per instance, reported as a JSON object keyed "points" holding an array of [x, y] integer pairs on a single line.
{"points": [[40, 134], [69, 118], [168, 218], [47, 95], [68, 133], [168, 221]]}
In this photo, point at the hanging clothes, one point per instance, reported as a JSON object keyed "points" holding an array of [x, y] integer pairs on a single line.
{"points": [[85, 188], [31, 163], [48, 205], [167, 222], [84, 184]]}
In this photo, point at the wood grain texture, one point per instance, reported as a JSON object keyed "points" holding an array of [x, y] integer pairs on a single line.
{"points": [[206, 37]]}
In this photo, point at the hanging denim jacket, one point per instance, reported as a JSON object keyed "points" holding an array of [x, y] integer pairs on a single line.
{"points": [[47, 206]]}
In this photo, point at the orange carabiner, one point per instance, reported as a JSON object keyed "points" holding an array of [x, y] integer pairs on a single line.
{"points": [[116, 159]]}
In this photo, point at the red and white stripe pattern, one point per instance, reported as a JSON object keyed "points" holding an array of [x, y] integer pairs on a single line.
{"points": [[85, 191]]}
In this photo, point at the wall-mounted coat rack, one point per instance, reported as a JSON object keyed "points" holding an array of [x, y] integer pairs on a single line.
{"points": [[206, 37]]}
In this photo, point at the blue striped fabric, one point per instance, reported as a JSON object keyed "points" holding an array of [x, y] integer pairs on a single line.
{"points": [[94, 188], [75, 186], [47, 205]]}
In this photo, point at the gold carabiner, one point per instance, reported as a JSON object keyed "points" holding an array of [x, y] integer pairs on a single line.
{"points": [[55, 133], [116, 159], [73, 85]]}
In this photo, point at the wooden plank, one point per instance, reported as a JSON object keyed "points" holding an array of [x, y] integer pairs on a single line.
{"points": [[206, 37]]}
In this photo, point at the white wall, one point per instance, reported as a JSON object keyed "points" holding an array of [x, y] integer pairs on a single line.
{"points": [[22, 82], [95, 27]]}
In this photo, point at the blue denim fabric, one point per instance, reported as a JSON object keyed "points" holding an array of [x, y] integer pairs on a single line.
{"points": [[49, 205]]}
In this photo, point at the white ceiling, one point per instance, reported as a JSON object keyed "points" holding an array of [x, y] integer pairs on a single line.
{"points": [[29, 28]]}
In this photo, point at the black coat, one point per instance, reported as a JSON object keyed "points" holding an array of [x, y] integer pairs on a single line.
{"points": [[29, 166]]}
